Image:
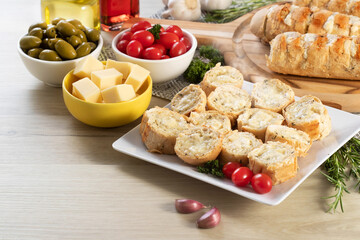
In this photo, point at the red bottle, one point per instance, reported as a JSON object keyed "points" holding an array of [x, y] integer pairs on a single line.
{"points": [[114, 12]]}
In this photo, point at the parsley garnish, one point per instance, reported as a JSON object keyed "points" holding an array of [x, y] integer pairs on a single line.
{"points": [[155, 30], [212, 167]]}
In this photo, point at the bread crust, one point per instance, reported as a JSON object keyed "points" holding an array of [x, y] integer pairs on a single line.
{"points": [[308, 114], [220, 75], [280, 165], [192, 149], [156, 139], [190, 99]]}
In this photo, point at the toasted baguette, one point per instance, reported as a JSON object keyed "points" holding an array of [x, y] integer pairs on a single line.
{"points": [[276, 159], [342, 6], [326, 56], [236, 146], [159, 128], [190, 99], [300, 140], [308, 114], [269, 22], [229, 100], [198, 145], [212, 119], [220, 75], [256, 121], [272, 94]]}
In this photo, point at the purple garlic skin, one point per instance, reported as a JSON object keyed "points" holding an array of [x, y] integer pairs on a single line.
{"points": [[210, 219], [188, 205]]}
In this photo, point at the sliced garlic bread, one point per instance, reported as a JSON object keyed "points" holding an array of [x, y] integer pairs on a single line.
{"points": [[190, 99], [212, 119]]}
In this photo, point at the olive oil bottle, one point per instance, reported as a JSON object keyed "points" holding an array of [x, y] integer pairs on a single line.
{"points": [[87, 11]]}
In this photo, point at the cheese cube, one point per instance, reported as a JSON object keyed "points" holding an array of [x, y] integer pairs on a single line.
{"points": [[86, 66], [118, 93], [106, 78], [86, 90], [137, 76], [123, 67]]}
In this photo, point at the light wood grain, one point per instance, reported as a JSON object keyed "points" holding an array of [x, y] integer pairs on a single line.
{"points": [[61, 179]]}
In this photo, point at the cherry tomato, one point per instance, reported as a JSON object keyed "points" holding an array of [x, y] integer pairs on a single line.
{"points": [[126, 36], [152, 53], [165, 57], [121, 45], [142, 25], [177, 49], [144, 37], [160, 47], [229, 168], [167, 39], [261, 183], [134, 48], [175, 29], [242, 176], [186, 42]]}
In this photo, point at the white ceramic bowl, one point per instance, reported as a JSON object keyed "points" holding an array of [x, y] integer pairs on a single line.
{"points": [[52, 72], [164, 69]]}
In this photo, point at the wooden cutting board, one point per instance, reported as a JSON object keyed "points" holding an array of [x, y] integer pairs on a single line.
{"points": [[244, 51]]}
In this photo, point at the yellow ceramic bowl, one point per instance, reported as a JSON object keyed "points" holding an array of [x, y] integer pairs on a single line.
{"points": [[106, 114]]}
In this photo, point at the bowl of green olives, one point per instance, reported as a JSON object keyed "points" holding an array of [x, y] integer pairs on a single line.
{"points": [[50, 51]]}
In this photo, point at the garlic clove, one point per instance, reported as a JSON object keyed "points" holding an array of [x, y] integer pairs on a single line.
{"points": [[188, 205], [210, 219]]}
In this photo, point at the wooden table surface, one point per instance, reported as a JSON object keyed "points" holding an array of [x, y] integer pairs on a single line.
{"points": [[61, 179]]}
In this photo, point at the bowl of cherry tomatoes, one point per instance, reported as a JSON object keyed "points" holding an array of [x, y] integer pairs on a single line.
{"points": [[166, 51]]}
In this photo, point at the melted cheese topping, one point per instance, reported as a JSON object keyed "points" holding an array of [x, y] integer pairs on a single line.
{"points": [[240, 143], [308, 40], [306, 108], [285, 132], [329, 24], [166, 122], [259, 118], [187, 99], [212, 119], [229, 99], [218, 76], [273, 153]]}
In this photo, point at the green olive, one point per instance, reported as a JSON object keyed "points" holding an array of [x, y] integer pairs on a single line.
{"points": [[81, 35], [28, 42], [65, 50], [50, 31], [56, 20], [76, 23], [52, 42], [41, 25], [92, 45], [45, 43], [65, 28], [37, 32], [92, 35], [34, 52], [83, 50], [74, 41], [49, 55]]}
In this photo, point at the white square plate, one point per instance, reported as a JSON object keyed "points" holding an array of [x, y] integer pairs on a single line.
{"points": [[344, 126]]}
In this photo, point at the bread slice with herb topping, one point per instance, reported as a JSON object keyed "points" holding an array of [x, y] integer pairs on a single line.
{"points": [[298, 139], [212, 119], [276, 159], [190, 99], [220, 75], [229, 100], [256, 121], [198, 145], [236, 146], [272, 94], [308, 114], [159, 128]]}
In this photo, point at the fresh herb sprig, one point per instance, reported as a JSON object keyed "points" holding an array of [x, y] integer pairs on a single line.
{"points": [[236, 10], [340, 167], [212, 167], [155, 30]]}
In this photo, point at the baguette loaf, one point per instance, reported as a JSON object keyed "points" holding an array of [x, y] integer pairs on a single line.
{"points": [[308, 114], [313, 55], [343, 6], [190, 99], [159, 128], [269, 22]]}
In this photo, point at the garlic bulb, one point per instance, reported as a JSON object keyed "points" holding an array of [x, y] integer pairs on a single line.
{"points": [[183, 10], [165, 2], [209, 5]]}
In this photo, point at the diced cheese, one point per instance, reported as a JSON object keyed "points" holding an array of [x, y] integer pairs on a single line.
{"points": [[86, 66], [137, 76], [106, 78], [118, 93], [86, 90], [123, 67]]}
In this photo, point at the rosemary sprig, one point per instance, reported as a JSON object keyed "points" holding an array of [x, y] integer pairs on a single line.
{"points": [[340, 166], [236, 10]]}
